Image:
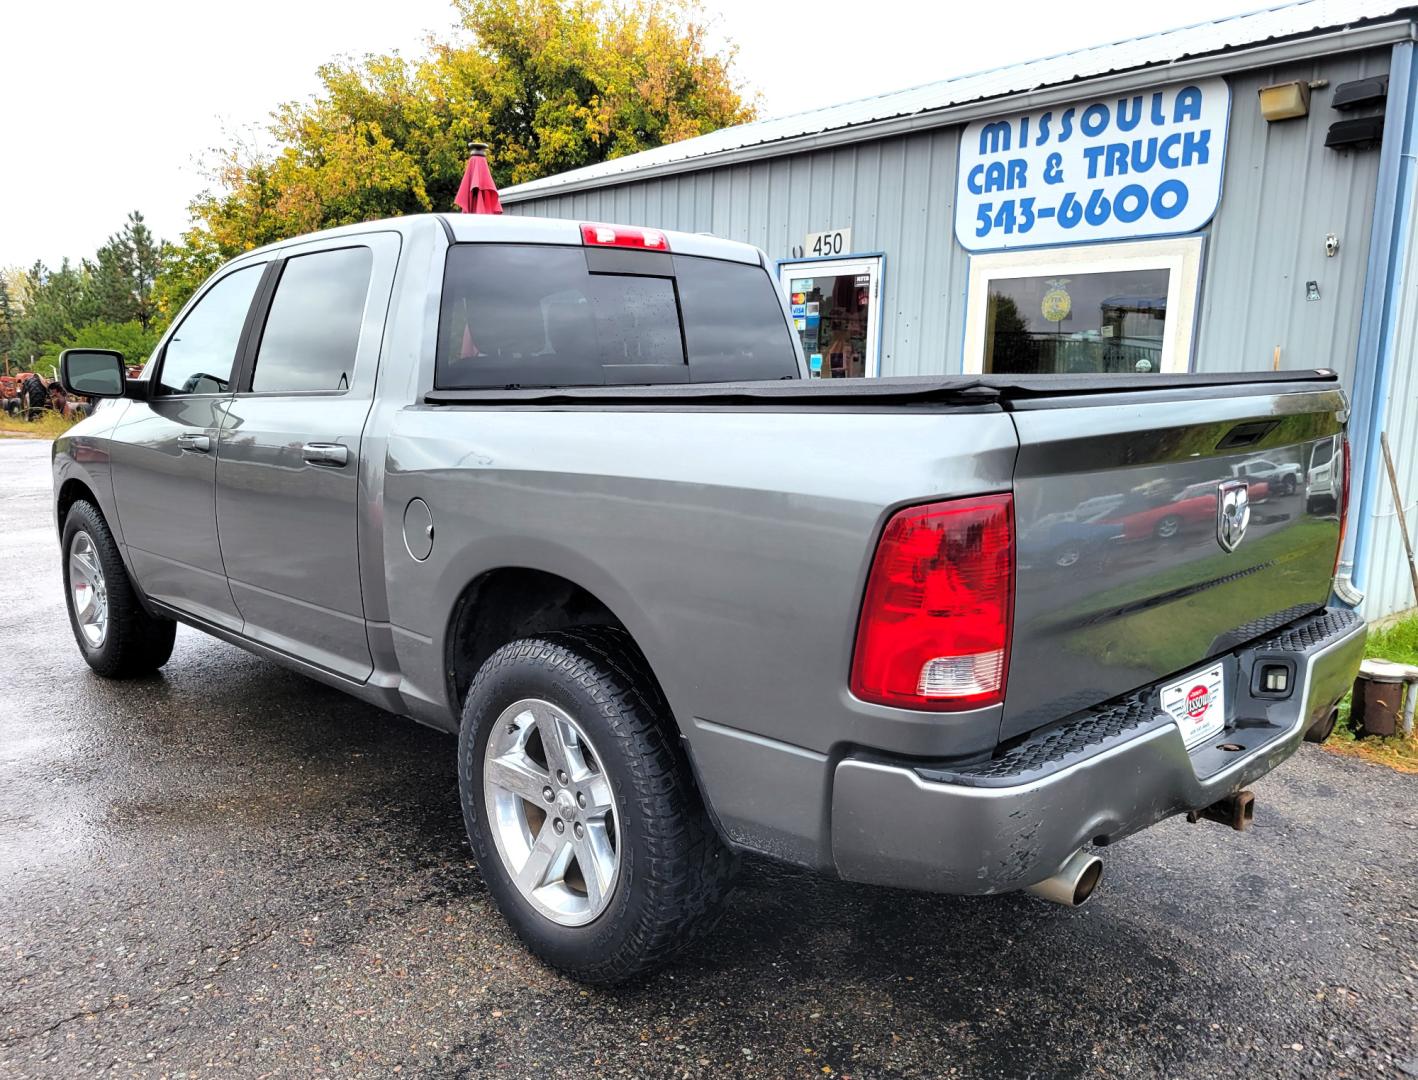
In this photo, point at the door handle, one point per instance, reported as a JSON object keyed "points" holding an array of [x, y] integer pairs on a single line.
{"points": [[323, 453], [198, 444]]}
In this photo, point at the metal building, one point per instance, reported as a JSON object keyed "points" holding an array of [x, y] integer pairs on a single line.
{"points": [[1228, 196]]}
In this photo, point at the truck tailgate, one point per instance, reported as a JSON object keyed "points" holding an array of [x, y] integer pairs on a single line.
{"points": [[1123, 576]]}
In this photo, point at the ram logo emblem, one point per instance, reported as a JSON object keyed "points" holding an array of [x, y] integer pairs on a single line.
{"points": [[1233, 514]]}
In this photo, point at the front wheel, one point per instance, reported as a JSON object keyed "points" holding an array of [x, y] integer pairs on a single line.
{"points": [[580, 807], [118, 638]]}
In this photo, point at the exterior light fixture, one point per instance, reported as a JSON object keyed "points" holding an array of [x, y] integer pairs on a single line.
{"points": [[1285, 101]]}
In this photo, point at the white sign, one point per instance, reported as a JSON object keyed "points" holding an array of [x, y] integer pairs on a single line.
{"points": [[1143, 164], [827, 244]]}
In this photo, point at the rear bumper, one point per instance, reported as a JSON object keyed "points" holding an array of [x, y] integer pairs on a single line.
{"points": [[1012, 821]]}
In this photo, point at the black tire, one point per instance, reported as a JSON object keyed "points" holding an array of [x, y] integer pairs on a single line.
{"points": [[1287, 485], [36, 396], [13, 406], [136, 643], [1322, 728], [674, 872]]}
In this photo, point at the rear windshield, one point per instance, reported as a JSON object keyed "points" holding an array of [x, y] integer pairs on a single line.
{"points": [[547, 315]]}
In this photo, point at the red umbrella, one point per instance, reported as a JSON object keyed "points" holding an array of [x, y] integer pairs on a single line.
{"points": [[477, 194]]}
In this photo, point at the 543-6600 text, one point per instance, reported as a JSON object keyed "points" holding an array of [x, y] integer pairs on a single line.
{"points": [[1011, 216]]}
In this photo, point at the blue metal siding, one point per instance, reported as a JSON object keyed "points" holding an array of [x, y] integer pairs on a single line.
{"points": [[1379, 559], [1387, 586]]}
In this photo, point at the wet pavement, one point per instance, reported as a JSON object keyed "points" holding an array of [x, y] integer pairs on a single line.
{"points": [[229, 870]]}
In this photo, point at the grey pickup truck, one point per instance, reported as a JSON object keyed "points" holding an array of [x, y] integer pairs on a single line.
{"points": [[566, 491]]}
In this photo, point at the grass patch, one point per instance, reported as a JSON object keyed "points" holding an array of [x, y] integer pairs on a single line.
{"points": [[1398, 642], [50, 425]]}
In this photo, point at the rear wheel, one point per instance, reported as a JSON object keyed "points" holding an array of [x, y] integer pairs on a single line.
{"points": [[580, 807], [118, 638]]}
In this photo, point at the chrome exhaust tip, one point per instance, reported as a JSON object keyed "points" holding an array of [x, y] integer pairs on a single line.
{"points": [[1074, 881]]}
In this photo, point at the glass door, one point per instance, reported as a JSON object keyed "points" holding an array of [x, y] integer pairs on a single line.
{"points": [[836, 309]]}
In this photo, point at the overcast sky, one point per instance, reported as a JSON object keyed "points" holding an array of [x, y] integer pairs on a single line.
{"points": [[110, 106]]}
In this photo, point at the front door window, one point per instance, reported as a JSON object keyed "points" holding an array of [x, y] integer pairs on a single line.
{"points": [[199, 354]]}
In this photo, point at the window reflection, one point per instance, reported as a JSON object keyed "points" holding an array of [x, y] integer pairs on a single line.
{"points": [[1076, 324]]}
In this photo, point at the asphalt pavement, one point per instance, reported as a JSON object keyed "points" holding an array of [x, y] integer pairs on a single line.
{"points": [[229, 870]]}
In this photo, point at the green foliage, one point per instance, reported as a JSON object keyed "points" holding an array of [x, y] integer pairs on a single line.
{"points": [[111, 301], [9, 315], [551, 85], [58, 304], [184, 267], [1397, 642], [123, 274], [135, 342]]}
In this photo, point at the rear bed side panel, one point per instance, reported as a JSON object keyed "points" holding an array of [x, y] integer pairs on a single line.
{"points": [[1121, 578], [732, 544]]}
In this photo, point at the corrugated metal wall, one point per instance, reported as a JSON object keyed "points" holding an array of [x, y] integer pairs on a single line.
{"points": [[1387, 586], [896, 195], [1283, 193]]}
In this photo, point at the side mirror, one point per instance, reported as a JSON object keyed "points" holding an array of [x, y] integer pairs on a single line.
{"points": [[92, 372]]}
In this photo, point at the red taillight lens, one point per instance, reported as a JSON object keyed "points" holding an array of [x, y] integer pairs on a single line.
{"points": [[624, 236], [935, 624]]}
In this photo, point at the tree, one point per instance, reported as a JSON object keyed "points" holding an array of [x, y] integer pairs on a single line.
{"points": [[57, 304], [8, 315], [184, 267], [123, 274], [131, 338], [550, 85]]}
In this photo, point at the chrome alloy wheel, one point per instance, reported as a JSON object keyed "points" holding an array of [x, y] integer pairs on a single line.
{"points": [[88, 590], [551, 812]]}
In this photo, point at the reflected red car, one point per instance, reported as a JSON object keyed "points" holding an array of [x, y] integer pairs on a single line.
{"points": [[1193, 507]]}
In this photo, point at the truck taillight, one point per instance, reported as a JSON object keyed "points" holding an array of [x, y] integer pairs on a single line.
{"points": [[936, 619], [624, 236]]}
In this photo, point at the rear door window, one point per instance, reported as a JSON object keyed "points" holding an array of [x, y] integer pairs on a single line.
{"points": [[733, 322], [551, 315], [312, 331]]}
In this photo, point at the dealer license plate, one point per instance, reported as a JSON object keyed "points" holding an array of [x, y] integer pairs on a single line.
{"points": [[1198, 704]]}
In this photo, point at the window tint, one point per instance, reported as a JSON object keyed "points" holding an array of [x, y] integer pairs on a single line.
{"points": [[198, 357], [312, 331], [534, 315], [733, 322]]}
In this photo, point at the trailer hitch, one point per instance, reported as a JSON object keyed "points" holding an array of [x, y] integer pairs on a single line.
{"points": [[1237, 811]]}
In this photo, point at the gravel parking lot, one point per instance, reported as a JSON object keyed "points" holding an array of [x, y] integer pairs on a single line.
{"points": [[232, 871]]}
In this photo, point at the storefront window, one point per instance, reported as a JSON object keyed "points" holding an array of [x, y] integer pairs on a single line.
{"points": [[1061, 325], [1083, 309]]}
